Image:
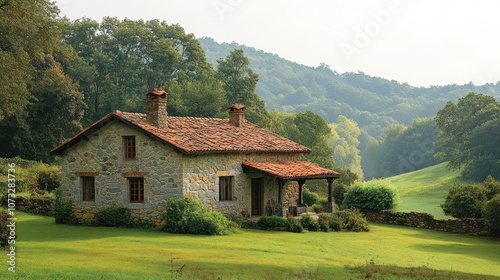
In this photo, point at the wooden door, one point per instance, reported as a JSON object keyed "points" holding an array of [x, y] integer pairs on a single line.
{"points": [[257, 196]]}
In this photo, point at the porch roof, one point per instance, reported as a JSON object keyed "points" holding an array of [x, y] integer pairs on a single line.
{"points": [[289, 170]]}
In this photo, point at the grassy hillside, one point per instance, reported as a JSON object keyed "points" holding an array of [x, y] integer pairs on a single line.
{"points": [[45, 250], [424, 190]]}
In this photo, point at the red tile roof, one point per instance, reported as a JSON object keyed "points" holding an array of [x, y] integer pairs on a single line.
{"points": [[291, 170], [198, 135]]}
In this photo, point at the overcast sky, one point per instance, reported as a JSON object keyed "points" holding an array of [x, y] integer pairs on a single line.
{"points": [[425, 42]]}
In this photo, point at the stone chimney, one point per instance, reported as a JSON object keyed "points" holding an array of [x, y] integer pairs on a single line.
{"points": [[156, 113], [237, 115]]}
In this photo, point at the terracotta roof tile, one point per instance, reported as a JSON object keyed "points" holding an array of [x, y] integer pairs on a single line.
{"points": [[199, 135], [290, 169]]}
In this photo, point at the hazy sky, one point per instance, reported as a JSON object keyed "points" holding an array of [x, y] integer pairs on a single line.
{"points": [[424, 42]]}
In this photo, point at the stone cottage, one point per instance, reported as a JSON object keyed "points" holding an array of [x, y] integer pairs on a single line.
{"points": [[140, 160]]}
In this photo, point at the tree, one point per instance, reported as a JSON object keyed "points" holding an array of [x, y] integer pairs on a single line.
{"points": [[239, 82], [467, 133], [311, 130], [344, 141], [124, 59], [48, 107], [28, 31]]}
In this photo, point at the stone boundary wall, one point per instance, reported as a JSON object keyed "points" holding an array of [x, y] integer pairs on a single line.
{"points": [[427, 221], [33, 205]]}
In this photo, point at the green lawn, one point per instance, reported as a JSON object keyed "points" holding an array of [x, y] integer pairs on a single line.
{"points": [[49, 251], [425, 190]]}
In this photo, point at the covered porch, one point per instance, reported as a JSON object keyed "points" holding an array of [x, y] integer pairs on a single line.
{"points": [[299, 171]]}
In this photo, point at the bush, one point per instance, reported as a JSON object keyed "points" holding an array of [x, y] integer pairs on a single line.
{"points": [[63, 209], [272, 223], [309, 223], [324, 222], [492, 215], [113, 216], [345, 220], [465, 201], [49, 179], [237, 219], [188, 215], [4, 230], [373, 195], [309, 197], [352, 220], [292, 225], [338, 193]]}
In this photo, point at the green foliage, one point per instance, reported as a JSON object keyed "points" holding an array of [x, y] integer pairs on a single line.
{"points": [[4, 230], [403, 149], [113, 216], [465, 201], [492, 215], [345, 142], [272, 223], [338, 193], [309, 223], [63, 209], [292, 225], [469, 135], [273, 208], [310, 198], [188, 215], [372, 195], [49, 180], [344, 220]]}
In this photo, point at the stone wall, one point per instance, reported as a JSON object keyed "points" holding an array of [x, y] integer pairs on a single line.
{"points": [[424, 220], [201, 180], [103, 157]]}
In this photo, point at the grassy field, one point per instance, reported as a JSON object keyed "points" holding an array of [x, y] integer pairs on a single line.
{"points": [[425, 190], [46, 250]]}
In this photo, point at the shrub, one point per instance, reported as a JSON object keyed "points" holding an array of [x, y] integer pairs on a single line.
{"points": [[188, 215], [345, 220], [339, 193], [237, 219], [63, 209], [49, 179], [465, 201], [492, 215], [373, 195], [271, 223], [113, 216], [4, 230], [309, 197], [208, 223], [352, 220], [249, 224], [309, 223], [324, 222], [292, 225]]}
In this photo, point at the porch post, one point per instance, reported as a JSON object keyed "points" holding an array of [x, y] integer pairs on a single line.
{"points": [[330, 189], [301, 183], [281, 183]]}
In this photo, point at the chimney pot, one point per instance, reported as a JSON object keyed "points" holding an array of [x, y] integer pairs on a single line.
{"points": [[157, 108], [237, 115]]}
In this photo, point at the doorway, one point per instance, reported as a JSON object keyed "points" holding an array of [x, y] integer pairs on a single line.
{"points": [[257, 196]]}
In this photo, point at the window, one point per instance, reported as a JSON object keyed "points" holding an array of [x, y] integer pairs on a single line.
{"points": [[88, 188], [129, 147], [226, 188], [136, 190]]}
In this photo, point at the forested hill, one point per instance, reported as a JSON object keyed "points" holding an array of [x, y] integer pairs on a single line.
{"points": [[374, 103]]}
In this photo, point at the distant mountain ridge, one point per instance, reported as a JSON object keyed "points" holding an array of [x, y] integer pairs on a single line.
{"points": [[374, 103]]}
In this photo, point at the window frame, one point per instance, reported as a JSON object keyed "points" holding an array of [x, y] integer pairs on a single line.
{"points": [[226, 186], [129, 147], [88, 184], [136, 189]]}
